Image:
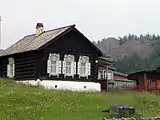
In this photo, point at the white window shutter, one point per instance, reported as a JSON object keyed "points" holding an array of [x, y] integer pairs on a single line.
{"points": [[89, 68], [49, 66], [59, 67], [79, 68], [74, 68], [86, 69], [8, 70], [99, 75], [13, 70], [64, 67]]}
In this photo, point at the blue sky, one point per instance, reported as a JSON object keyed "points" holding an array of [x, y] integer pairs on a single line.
{"points": [[95, 18]]}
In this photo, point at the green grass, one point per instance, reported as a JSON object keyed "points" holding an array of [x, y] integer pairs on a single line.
{"points": [[20, 102]]}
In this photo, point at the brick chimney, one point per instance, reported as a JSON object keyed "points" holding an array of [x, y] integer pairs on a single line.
{"points": [[39, 28]]}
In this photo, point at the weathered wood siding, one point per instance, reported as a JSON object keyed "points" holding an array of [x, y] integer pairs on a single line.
{"points": [[25, 66], [3, 64], [139, 78], [73, 43]]}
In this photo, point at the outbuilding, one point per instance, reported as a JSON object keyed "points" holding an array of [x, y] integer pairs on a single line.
{"points": [[146, 79]]}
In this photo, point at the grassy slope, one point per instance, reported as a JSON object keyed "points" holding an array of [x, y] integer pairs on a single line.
{"points": [[19, 102]]}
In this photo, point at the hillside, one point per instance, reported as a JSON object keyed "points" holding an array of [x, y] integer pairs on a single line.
{"points": [[108, 45], [112, 47], [124, 51]]}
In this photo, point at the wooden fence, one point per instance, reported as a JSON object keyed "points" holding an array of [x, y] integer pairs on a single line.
{"points": [[139, 88]]}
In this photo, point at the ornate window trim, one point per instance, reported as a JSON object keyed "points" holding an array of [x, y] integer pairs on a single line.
{"points": [[84, 60], [54, 65], [72, 67], [11, 68]]}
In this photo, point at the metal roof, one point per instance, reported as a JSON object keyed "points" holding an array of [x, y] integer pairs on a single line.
{"points": [[152, 71], [105, 58], [33, 42], [104, 61], [120, 73]]}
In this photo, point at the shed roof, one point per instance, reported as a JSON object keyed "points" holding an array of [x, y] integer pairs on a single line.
{"points": [[120, 73], [33, 42], [152, 71], [104, 60]]}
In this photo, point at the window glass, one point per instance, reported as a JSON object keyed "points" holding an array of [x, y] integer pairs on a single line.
{"points": [[53, 66], [104, 75], [68, 67], [83, 68], [101, 74], [109, 76], [153, 84], [11, 70]]}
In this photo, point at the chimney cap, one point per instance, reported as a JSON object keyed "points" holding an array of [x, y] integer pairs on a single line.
{"points": [[39, 25]]}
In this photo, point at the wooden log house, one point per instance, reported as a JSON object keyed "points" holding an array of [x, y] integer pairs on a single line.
{"points": [[59, 54]]}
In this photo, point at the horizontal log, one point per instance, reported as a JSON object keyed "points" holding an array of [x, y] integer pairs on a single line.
{"points": [[23, 66], [25, 69], [25, 59], [25, 73], [26, 62]]}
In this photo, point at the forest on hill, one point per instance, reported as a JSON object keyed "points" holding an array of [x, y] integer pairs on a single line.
{"points": [[132, 53]]}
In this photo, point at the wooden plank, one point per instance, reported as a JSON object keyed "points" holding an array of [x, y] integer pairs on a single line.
{"points": [[25, 72], [158, 84], [25, 66], [25, 62], [25, 69]]}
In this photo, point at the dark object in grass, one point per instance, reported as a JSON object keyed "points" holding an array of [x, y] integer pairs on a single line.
{"points": [[105, 110], [119, 110]]}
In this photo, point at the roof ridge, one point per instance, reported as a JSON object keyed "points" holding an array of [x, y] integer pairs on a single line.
{"points": [[60, 28], [73, 25]]}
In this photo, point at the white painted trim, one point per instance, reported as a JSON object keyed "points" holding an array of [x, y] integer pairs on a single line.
{"points": [[11, 62], [54, 57], [84, 59], [68, 58], [48, 66], [65, 85], [13, 70]]}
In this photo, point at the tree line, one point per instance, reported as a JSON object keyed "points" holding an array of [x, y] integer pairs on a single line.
{"points": [[135, 62], [141, 38], [125, 38]]}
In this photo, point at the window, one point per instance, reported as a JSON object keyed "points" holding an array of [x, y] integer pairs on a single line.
{"points": [[11, 68], [100, 74], [109, 76], [68, 67], [104, 75], [154, 84], [83, 68], [53, 67]]}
